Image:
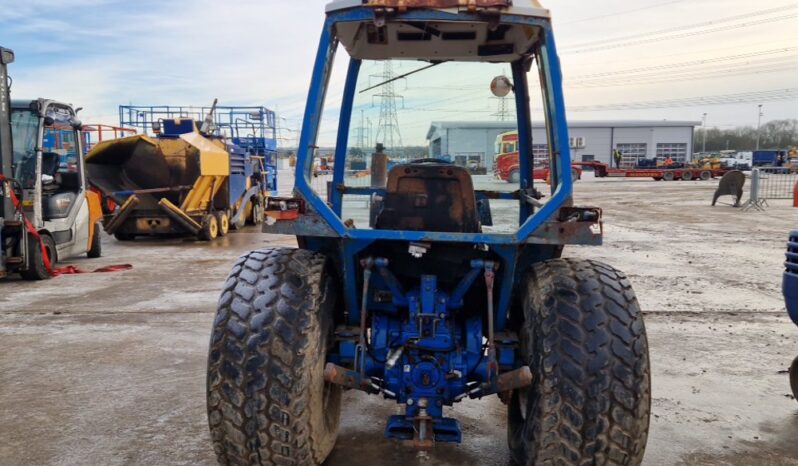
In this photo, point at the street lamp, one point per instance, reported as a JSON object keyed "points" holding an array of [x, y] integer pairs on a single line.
{"points": [[758, 126], [704, 126]]}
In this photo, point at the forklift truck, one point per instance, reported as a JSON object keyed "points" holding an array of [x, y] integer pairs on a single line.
{"points": [[48, 212]]}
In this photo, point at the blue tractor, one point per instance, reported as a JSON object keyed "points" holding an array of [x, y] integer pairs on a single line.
{"points": [[790, 286], [457, 288]]}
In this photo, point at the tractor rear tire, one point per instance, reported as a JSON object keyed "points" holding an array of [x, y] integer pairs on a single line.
{"points": [[794, 379], [584, 340], [38, 270], [268, 403], [210, 228], [96, 249]]}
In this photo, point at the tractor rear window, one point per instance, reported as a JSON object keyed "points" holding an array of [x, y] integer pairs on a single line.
{"points": [[442, 112]]}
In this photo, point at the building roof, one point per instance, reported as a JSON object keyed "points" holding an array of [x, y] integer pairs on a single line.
{"points": [[510, 125], [517, 7]]}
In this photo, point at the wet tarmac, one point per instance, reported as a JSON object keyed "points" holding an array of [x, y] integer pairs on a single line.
{"points": [[109, 369]]}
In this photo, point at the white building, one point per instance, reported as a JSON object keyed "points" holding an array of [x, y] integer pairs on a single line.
{"points": [[465, 141]]}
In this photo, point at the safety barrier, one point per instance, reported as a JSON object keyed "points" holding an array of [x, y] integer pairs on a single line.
{"points": [[769, 184]]}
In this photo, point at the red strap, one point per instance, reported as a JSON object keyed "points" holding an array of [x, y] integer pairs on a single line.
{"points": [[29, 226], [47, 263], [73, 270]]}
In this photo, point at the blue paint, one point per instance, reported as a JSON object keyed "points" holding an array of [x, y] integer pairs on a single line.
{"points": [[790, 284], [343, 134]]}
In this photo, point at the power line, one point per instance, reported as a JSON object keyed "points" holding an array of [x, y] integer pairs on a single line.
{"points": [[746, 97], [683, 35], [788, 65], [624, 12], [686, 64], [671, 30]]}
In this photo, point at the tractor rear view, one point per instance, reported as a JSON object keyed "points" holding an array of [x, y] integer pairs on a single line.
{"points": [[447, 287]]}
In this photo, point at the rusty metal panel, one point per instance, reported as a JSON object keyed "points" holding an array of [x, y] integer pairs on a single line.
{"points": [[429, 197], [402, 5]]}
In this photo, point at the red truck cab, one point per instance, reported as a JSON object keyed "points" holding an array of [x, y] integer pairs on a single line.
{"points": [[506, 164]]}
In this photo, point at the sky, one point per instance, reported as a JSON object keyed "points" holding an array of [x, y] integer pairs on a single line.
{"points": [[98, 54]]}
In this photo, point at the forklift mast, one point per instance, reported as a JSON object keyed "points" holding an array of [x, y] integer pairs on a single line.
{"points": [[6, 148]]}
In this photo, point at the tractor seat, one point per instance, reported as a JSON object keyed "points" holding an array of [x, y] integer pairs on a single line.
{"points": [[430, 196]]}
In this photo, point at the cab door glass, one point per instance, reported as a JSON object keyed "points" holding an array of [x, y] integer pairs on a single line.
{"points": [[60, 145]]}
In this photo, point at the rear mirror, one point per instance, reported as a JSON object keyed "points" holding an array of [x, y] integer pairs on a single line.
{"points": [[49, 121], [76, 124], [501, 86]]}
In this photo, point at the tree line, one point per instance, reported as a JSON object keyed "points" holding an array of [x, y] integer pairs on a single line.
{"points": [[777, 134]]}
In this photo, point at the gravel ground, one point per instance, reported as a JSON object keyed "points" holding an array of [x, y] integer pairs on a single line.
{"points": [[110, 368]]}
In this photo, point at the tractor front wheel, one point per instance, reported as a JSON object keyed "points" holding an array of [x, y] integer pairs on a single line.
{"points": [[584, 340], [268, 403]]}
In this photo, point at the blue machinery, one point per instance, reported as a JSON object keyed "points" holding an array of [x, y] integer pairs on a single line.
{"points": [[250, 129], [791, 277], [440, 326], [790, 286]]}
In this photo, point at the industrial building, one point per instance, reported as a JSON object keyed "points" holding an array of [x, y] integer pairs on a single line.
{"points": [[474, 142]]}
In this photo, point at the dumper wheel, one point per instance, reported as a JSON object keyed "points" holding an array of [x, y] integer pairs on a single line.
{"points": [[38, 270], [223, 221], [96, 249], [210, 228], [687, 175], [584, 340], [794, 378], [268, 403], [258, 213], [667, 176], [706, 175]]}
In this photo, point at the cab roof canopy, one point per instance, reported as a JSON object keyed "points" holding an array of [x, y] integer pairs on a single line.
{"points": [[484, 37]]}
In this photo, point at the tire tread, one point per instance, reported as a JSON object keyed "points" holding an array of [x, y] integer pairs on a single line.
{"points": [[590, 403], [262, 357]]}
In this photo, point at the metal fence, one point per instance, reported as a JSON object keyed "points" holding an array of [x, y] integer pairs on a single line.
{"points": [[769, 184]]}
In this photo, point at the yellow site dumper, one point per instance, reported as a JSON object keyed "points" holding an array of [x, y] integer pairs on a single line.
{"points": [[184, 181]]}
